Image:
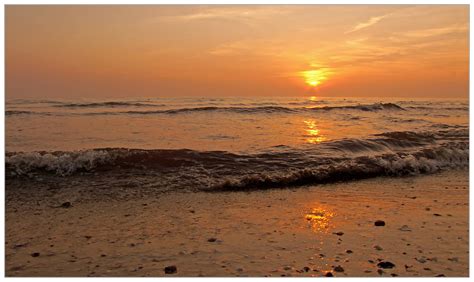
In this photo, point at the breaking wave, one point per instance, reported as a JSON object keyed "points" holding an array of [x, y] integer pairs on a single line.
{"points": [[234, 109], [386, 154]]}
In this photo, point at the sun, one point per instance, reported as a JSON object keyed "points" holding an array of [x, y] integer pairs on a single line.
{"points": [[315, 77]]}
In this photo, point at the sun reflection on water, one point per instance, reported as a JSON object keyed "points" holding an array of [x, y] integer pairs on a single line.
{"points": [[313, 133], [319, 219]]}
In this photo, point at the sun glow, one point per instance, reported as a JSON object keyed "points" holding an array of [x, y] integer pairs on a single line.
{"points": [[315, 77]]}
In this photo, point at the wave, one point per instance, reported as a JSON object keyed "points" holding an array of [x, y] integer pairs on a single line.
{"points": [[274, 109], [422, 162], [386, 154], [107, 104], [369, 107], [22, 112], [243, 110]]}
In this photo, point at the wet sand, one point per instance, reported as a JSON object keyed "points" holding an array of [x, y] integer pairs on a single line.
{"points": [[286, 232]]}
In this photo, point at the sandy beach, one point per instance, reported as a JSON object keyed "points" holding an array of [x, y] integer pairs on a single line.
{"points": [[307, 231]]}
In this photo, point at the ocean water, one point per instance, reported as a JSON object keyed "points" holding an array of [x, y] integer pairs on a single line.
{"points": [[234, 143]]}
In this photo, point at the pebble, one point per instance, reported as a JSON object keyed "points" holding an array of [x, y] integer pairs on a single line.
{"points": [[306, 269], [338, 269], [379, 223], [171, 269], [329, 274], [212, 239], [66, 205], [404, 228], [35, 255], [349, 251], [385, 264], [378, 248], [339, 233]]}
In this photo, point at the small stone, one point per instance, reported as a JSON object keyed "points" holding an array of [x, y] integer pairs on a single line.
{"points": [[436, 214], [379, 223], [378, 248], [66, 205], [212, 240], [385, 264], [172, 269], [421, 260], [35, 255], [329, 274], [349, 251], [404, 228], [338, 269], [440, 275], [339, 233], [306, 269]]}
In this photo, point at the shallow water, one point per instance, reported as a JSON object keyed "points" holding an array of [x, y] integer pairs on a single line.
{"points": [[238, 143]]}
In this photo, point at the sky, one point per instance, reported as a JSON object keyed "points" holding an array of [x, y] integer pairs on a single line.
{"points": [[237, 50]]}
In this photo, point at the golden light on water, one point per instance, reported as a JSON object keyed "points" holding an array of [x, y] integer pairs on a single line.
{"points": [[312, 132], [319, 219]]}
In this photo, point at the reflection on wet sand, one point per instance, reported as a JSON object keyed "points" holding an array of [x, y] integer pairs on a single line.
{"points": [[313, 133], [320, 219]]}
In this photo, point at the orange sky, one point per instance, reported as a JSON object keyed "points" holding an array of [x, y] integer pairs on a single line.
{"points": [[327, 50]]}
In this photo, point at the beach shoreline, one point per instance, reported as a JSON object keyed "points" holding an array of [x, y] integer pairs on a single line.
{"points": [[305, 231]]}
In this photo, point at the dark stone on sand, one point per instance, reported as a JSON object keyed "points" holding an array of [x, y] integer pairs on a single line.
{"points": [[306, 269], [329, 274], [404, 228], [339, 233], [17, 246], [87, 237], [436, 214], [394, 275], [440, 275], [212, 240], [379, 223], [172, 269], [66, 205], [349, 251], [380, 271], [385, 264], [35, 255], [338, 269]]}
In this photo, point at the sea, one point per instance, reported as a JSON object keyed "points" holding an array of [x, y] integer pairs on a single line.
{"points": [[233, 143]]}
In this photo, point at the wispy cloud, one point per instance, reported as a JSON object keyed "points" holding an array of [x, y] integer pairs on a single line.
{"points": [[424, 33], [231, 13], [366, 24]]}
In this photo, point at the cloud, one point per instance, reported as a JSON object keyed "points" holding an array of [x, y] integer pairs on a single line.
{"points": [[424, 33], [231, 13], [370, 22]]}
